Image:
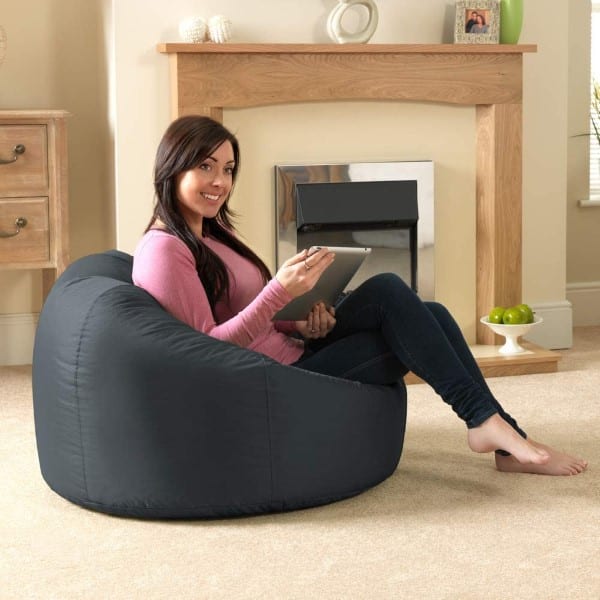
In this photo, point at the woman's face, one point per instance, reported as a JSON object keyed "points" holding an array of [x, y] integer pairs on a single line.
{"points": [[202, 191]]}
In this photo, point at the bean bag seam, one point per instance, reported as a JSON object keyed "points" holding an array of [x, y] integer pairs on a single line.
{"points": [[76, 383], [274, 505], [268, 401]]}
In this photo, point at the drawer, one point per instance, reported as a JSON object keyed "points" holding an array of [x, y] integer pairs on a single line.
{"points": [[32, 243], [28, 174]]}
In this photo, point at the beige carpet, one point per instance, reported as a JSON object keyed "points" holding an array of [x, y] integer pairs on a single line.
{"points": [[445, 525]]}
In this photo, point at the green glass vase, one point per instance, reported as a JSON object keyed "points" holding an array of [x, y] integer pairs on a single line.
{"points": [[511, 21]]}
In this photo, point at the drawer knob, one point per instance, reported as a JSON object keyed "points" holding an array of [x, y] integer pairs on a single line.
{"points": [[20, 222], [17, 150]]}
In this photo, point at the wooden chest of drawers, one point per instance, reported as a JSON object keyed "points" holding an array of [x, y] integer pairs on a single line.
{"points": [[33, 192]]}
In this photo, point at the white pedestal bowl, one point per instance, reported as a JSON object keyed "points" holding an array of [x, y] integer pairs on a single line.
{"points": [[512, 333]]}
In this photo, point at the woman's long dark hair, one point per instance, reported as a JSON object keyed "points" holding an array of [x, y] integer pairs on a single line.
{"points": [[185, 145]]}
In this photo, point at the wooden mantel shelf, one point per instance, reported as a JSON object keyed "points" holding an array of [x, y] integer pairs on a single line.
{"points": [[210, 77], [206, 78], [170, 47]]}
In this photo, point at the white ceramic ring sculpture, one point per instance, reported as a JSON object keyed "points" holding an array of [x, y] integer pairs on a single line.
{"points": [[334, 23]]}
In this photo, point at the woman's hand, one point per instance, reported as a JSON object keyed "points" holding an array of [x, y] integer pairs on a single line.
{"points": [[320, 321], [300, 273]]}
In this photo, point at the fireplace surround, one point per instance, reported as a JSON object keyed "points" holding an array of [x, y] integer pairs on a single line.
{"points": [[206, 78]]}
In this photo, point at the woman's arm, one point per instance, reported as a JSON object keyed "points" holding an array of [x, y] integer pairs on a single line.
{"points": [[165, 268]]}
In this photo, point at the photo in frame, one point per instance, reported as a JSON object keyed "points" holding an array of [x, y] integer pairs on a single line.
{"points": [[477, 22]]}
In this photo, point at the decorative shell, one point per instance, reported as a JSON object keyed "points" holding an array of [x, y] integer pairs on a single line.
{"points": [[193, 30], [219, 29]]}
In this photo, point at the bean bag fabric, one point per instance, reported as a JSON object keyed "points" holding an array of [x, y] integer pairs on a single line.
{"points": [[137, 414]]}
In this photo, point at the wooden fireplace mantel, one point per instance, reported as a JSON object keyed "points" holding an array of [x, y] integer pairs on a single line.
{"points": [[206, 78]]}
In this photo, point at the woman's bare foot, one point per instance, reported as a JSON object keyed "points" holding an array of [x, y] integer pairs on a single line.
{"points": [[496, 434], [558, 464]]}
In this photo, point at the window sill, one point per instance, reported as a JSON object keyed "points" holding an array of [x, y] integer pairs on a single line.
{"points": [[592, 201]]}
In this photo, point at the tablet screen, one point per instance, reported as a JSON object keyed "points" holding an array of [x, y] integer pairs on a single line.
{"points": [[329, 287]]}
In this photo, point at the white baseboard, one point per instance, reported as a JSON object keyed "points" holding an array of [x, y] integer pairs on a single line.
{"points": [[556, 332], [17, 332], [585, 298]]}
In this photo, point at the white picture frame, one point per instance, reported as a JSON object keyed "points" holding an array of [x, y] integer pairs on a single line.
{"points": [[477, 22]]}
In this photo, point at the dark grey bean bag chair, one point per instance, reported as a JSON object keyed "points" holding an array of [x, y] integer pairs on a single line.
{"points": [[137, 414]]}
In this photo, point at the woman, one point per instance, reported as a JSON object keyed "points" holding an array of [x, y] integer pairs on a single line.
{"points": [[191, 261], [479, 26], [472, 20]]}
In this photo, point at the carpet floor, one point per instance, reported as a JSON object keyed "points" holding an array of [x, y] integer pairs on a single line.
{"points": [[446, 524]]}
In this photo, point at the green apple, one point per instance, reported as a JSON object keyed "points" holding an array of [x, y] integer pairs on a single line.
{"points": [[496, 314], [527, 312], [513, 316]]}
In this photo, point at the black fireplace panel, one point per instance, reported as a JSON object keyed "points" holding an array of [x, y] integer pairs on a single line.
{"points": [[361, 204], [356, 205], [326, 211]]}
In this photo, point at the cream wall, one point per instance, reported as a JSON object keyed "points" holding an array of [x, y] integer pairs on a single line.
{"points": [[360, 131], [55, 60], [583, 223], [62, 53], [583, 260]]}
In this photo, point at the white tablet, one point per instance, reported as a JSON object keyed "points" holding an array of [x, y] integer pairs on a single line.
{"points": [[329, 287]]}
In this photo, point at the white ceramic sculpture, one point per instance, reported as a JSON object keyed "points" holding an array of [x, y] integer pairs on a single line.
{"points": [[219, 29], [334, 23], [193, 30]]}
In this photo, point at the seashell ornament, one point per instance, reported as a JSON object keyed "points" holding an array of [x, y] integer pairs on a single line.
{"points": [[193, 30], [219, 29]]}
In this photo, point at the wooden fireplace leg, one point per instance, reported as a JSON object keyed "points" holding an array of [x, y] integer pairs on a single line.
{"points": [[499, 210]]}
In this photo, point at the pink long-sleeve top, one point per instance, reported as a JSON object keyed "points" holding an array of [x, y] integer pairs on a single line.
{"points": [[165, 267]]}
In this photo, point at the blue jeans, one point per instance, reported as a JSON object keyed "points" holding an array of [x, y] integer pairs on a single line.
{"points": [[383, 330]]}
